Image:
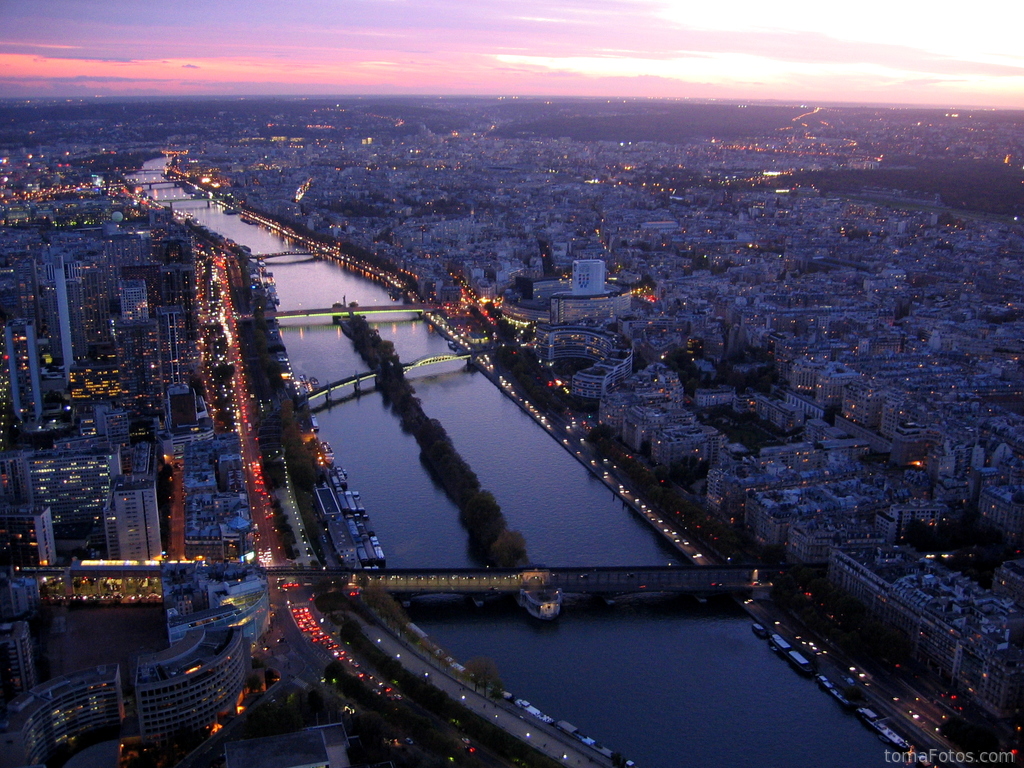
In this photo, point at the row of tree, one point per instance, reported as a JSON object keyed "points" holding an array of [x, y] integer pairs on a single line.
{"points": [[479, 511], [831, 612], [714, 534]]}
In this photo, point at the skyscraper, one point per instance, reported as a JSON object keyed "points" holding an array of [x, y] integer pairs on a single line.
{"points": [[138, 357], [132, 522], [24, 372], [587, 277], [177, 352]]}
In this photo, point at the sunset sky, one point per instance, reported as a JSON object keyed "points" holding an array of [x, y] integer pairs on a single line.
{"points": [[891, 51]]}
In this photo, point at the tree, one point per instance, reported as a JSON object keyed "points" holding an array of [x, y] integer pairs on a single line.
{"points": [[275, 717], [334, 672], [483, 673], [509, 549], [315, 701]]}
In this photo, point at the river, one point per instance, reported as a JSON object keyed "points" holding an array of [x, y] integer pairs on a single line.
{"points": [[668, 683]]}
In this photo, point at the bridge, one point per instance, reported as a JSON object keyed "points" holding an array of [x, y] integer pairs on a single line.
{"points": [[342, 312], [355, 380], [282, 254], [700, 580]]}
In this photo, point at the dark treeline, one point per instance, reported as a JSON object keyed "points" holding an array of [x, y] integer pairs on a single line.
{"points": [[831, 612], [478, 509], [968, 185], [666, 122]]}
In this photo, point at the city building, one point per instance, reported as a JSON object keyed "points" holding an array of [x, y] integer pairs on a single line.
{"points": [[191, 684], [24, 369], [1002, 507], [971, 636], [588, 276], [19, 596], [17, 665], [892, 523], [138, 357], [588, 299], [26, 536], [178, 351], [134, 301], [58, 712], [132, 519], [323, 747], [215, 596], [218, 523], [1009, 580], [73, 482]]}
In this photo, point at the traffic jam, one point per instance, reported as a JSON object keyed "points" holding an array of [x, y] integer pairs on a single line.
{"points": [[311, 628]]}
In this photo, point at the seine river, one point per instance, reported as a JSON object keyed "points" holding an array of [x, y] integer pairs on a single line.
{"points": [[669, 684]]}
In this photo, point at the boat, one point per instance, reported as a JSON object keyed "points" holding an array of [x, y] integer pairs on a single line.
{"points": [[328, 453], [800, 663], [779, 644], [868, 716], [759, 630], [839, 696], [543, 604], [887, 734], [230, 212]]}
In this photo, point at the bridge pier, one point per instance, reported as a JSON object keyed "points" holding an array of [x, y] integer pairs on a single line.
{"points": [[357, 387]]}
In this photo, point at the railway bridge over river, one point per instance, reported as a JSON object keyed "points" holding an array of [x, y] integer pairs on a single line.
{"points": [[701, 580]]}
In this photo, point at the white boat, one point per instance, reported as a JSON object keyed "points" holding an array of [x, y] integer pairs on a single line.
{"points": [[543, 604], [325, 449], [887, 734]]}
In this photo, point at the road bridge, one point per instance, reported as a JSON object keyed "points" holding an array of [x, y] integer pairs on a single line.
{"points": [[281, 254], [356, 379], [608, 581], [340, 313]]}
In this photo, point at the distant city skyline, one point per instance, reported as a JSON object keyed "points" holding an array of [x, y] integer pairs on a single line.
{"points": [[878, 52]]}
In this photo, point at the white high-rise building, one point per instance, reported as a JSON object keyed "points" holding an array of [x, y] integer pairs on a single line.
{"points": [[587, 277], [132, 519], [24, 369]]}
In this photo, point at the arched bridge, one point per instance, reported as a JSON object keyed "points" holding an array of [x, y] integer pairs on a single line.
{"points": [[684, 579], [433, 359], [357, 379], [345, 312]]}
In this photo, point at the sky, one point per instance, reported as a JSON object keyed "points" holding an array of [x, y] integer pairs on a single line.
{"points": [[876, 51]]}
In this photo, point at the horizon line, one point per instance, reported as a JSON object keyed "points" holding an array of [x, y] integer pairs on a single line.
{"points": [[497, 96]]}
